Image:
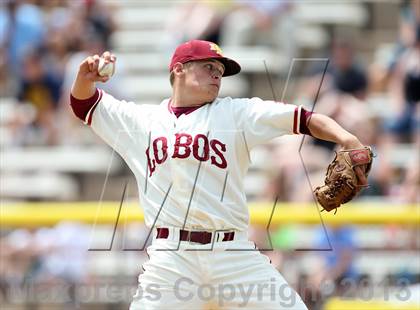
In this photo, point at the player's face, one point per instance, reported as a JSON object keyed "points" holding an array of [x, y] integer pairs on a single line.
{"points": [[204, 77]]}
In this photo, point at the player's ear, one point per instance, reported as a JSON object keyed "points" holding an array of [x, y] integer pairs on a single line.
{"points": [[178, 69]]}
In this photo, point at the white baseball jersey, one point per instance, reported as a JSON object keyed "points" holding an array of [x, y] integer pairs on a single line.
{"points": [[191, 169]]}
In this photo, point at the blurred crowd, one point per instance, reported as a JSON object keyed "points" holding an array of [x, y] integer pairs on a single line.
{"points": [[43, 41], [378, 102], [50, 256], [38, 40]]}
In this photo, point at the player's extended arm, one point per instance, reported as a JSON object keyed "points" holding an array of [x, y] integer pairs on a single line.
{"points": [[325, 128], [84, 83]]}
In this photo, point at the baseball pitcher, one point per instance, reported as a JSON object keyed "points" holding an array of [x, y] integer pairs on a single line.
{"points": [[189, 155]]}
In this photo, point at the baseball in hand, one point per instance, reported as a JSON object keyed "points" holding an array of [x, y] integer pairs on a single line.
{"points": [[105, 69]]}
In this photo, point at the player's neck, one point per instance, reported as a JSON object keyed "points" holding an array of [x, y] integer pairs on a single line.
{"points": [[180, 101]]}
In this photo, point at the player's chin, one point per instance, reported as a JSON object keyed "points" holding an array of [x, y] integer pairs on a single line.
{"points": [[211, 98], [212, 94]]}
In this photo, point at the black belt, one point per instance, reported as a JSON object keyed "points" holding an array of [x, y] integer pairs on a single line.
{"points": [[203, 237]]}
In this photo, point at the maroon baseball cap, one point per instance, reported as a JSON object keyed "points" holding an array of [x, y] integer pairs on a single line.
{"points": [[200, 50]]}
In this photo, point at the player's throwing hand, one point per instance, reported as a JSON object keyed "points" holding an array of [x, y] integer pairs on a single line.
{"points": [[89, 69], [90, 73]]}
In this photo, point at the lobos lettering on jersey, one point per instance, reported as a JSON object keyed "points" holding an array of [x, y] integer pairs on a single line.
{"points": [[200, 147]]}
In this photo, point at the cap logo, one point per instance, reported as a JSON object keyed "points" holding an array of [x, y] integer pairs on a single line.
{"points": [[216, 48]]}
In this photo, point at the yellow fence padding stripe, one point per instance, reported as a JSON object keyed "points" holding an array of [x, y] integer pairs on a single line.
{"points": [[340, 304], [50, 213]]}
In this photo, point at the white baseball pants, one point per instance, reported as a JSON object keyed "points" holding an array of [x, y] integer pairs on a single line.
{"points": [[228, 275]]}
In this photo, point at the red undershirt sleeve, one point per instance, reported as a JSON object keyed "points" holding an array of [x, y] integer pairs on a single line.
{"points": [[83, 108], [303, 124]]}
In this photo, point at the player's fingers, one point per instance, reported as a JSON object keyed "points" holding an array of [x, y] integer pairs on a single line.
{"points": [[361, 176], [107, 56], [90, 61], [103, 79], [95, 63]]}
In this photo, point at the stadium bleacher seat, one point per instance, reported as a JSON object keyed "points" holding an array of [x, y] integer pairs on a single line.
{"points": [[39, 186], [68, 159]]}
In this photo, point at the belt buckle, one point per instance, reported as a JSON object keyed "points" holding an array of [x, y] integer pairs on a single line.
{"points": [[206, 233], [201, 234]]}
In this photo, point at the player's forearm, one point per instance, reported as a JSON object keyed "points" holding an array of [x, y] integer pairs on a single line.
{"points": [[325, 128], [83, 88]]}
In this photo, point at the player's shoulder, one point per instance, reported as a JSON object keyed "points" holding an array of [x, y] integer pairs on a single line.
{"points": [[150, 109], [233, 101], [130, 106], [156, 106], [237, 103], [164, 103], [242, 107], [105, 96]]}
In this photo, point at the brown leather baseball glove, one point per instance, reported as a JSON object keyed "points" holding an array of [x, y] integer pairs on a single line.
{"points": [[342, 182]]}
